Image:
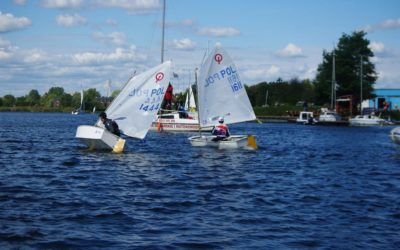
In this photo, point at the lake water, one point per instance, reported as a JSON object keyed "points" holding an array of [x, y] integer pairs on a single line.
{"points": [[307, 187]]}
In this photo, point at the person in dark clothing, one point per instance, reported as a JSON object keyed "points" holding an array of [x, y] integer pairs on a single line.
{"points": [[109, 124], [182, 112]]}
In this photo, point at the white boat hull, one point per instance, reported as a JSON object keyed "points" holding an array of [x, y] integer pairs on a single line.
{"points": [[232, 142], [395, 135], [97, 138], [367, 120], [173, 123]]}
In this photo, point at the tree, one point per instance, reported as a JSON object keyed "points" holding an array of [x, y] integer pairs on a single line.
{"points": [[66, 100], [351, 54], [21, 101], [91, 99], [33, 98], [9, 100], [52, 97]]}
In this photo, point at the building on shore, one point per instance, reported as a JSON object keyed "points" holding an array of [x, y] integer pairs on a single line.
{"points": [[386, 99]]}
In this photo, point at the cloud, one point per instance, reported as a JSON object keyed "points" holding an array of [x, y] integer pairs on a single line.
{"points": [[71, 20], [377, 47], [262, 73], [10, 23], [219, 32], [19, 2], [183, 44], [62, 4], [291, 50], [119, 55], [116, 38], [13, 54], [111, 22], [387, 24], [132, 6]]}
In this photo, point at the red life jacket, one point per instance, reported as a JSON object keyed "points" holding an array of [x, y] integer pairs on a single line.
{"points": [[222, 130]]}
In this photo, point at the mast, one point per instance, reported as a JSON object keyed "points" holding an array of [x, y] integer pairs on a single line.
{"points": [[162, 33], [333, 90], [361, 83], [198, 108]]}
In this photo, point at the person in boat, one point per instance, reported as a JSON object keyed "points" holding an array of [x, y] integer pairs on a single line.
{"points": [[221, 130], [168, 96], [109, 124], [182, 112]]}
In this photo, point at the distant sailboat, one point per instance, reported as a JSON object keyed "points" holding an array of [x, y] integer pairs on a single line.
{"points": [[79, 110], [222, 94], [190, 104], [133, 109]]}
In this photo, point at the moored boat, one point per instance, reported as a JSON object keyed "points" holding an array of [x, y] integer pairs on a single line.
{"points": [[367, 120], [395, 135]]}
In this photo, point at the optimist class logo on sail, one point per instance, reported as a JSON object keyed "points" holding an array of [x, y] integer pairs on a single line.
{"points": [[218, 58], [159, 76]]}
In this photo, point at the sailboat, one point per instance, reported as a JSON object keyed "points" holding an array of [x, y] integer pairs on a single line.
{"points": [[190, 104], [133, 109], [395, 135], [366, 119], [330, 116], [79, 110], [221, 94]]}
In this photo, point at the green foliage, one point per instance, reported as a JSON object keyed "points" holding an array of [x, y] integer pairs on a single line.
{"points": [[91, 99], [33, 98], [66, 100], [21, 101], [76, 100], [9, 100], [348, 54], [280, 92], [53, 97], [115, 93]]}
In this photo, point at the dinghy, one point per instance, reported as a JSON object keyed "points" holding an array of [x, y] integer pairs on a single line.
{"points": [[222, 94], [134, 109], [395, 135]]}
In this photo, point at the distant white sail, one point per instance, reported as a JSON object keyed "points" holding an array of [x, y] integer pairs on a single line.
{"points": [[137, 105], [80, 108], [190, 104], [220, 91]]}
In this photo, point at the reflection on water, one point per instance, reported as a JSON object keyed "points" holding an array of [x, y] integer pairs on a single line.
{"points": [[306, 187]]}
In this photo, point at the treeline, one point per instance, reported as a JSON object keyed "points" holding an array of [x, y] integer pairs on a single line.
{"points": [[56, 97], [281, 92]]}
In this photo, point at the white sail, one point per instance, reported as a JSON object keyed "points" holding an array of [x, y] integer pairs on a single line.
{"points": [[190, 104], [80, 108], [136, 106], [220, 91]]}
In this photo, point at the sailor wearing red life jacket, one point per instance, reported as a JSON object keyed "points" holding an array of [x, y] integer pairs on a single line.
{"points": [[221, 130]]}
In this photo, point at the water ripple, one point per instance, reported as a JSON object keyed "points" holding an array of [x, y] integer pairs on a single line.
{"points": [[306, 187]]}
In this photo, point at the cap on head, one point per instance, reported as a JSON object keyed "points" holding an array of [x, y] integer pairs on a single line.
{"points": [[103, 115], [221, 120]]}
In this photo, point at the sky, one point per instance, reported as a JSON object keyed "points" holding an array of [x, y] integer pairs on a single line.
{"points": [[82, 44]]}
